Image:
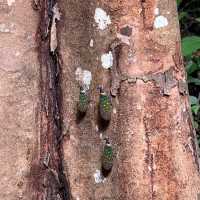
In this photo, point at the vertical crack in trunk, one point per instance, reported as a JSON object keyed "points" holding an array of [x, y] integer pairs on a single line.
{"points": [[50, 183], [142, 2], [149, 161]]}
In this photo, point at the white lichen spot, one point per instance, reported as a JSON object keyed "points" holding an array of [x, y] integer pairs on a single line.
{"points": [[87, 77], [77, 198], [114, 110], [149, 168], [10, 2], [17, 53], [101, 136], [4, 29], [101, 18], [156, 11], [84, 77], [107, 60], [98, 177], [91, 43], [7, 28], [160, 22]]}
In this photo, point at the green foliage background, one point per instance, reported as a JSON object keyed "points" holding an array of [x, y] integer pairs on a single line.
{"points": [[189, 18]]}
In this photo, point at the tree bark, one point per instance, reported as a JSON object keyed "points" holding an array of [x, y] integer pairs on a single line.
{"points": [[51, 152], [19, 75]]}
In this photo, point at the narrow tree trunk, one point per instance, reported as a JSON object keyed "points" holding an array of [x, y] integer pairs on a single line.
{"points": [[51, 152]]}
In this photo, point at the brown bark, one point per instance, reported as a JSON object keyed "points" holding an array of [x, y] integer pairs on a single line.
{"points": [[151, 128], [151, 131], [19, 72]]}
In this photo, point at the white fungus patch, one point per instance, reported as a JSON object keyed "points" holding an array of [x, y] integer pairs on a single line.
{"points": [[101, 18], [107, 60], [10, 2], [156, 11], [84, 77], [160, 22], [91, 43], [98, 177]]}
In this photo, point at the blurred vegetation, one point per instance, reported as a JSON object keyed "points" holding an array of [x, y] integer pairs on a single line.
{"points": [[189, 17]]}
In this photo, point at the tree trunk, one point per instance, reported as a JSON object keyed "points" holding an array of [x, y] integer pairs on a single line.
{"points": [[50, 151]]}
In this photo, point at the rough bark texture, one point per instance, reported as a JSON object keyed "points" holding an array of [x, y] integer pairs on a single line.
{"points": [[151, 128], [19, 73], [151, 131]]}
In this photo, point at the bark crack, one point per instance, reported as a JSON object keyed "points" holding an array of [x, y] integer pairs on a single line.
{"points": [[142, 2], [193, 144], [53, 183], [149, 160]]}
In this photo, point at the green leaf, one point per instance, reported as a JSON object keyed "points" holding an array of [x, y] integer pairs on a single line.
{"points": [[196, 125], [190, 44], [193, 100], [191, 67], [195, 109], [178, 2], [182, 15], [198, 19], [195, 81]]}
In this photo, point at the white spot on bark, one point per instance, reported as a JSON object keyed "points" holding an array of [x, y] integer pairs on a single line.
{"points": [[6, 28], [84, 77], [98, 177], [101, 136], [101, 18], [87, 77], [124, 38], [160, 22], [149, 168], [107, 60], [114, 110], [91, 43], [156, 11], [10, 2], [58, 197], [17, 53]]}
